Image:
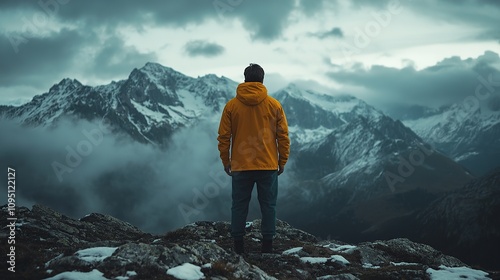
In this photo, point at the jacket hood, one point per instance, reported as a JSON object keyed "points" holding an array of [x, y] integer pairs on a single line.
{"points": [[251, 93]]}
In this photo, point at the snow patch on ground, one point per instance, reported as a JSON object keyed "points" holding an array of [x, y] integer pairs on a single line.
{"points": [[186, 271], [314, 259], [77, 275], [334, 258], [341, 248], [127, 276], [403, 264], [96, 254], [292, 251], [445, 273]]}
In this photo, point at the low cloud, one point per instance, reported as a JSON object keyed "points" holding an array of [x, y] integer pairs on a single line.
{"points": [[203, 48], [78, 168]]}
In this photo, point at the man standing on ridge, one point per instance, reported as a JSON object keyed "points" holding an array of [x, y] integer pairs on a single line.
{"points": [[254, 148]]}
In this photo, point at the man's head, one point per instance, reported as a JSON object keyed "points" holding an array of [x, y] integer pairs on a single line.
{"points": [[254, 73]]}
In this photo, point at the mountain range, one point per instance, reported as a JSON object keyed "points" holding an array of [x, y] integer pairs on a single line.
{"points": [[148, 106], [469, 134], [354, 172]]}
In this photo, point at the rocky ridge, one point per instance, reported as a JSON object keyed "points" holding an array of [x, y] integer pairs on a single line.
{"points": [[50, 245]]}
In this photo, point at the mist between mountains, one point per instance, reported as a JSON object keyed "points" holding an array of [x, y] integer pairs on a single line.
{"points": [[85, 147], [486, 89]]}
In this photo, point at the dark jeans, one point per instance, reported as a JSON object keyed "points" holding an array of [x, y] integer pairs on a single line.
{"points": [[267, 190]]}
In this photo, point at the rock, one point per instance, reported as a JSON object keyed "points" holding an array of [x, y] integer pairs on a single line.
{"points": [[49, 244]]}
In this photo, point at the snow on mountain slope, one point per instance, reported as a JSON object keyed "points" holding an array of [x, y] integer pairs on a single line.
{"points": [[43, 109], [310, 110], [470, 137], [336, 104], [149, 105], [354, 168]]}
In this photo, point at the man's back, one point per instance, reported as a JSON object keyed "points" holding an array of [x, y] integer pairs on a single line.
{"points": [[254, 122]]}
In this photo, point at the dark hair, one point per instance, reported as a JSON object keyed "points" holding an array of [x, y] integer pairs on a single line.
{"points": [[254, 73]]}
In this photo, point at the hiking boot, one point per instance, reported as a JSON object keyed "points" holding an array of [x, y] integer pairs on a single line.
{"points": [[267, 246], [239, 246]]}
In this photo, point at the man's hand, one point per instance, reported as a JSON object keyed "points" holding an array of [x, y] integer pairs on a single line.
{"points": [[280, 169], [228, 170]]}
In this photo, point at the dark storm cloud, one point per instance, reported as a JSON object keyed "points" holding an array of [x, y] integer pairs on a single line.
{"points": [[41, 61], [480, 13], [113, 58], [37, 58], [203, 48], [133, 13], [310, 8], [30, 58], [449, 81], [263, 19]]}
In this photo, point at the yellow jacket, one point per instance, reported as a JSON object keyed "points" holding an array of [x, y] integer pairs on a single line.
{"points": [[254, 127]]}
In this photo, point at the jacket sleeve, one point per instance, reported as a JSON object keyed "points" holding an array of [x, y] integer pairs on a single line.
{"points": [[224, 137], [282, 137]]}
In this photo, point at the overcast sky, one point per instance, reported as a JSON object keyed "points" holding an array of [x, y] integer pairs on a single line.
{"points": [[425, 52]]}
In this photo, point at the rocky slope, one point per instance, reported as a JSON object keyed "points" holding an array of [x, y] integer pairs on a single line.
{"points": [[465, 222], [49, 245]]}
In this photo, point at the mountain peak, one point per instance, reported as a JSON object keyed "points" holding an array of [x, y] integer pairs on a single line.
{"points": [[66, 84], [298, 91], [154, 67], [338, 104], [157, 74]]}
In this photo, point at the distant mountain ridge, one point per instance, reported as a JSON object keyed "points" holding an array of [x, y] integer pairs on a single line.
{"points": [[353, 171], [469, 135], [339, 143], [356, 168], [148, 106]]}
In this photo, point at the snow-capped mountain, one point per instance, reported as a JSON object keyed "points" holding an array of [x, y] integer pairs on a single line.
{"points": [[339, 143], [468, 134], [353, 170], [149, 106]]}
